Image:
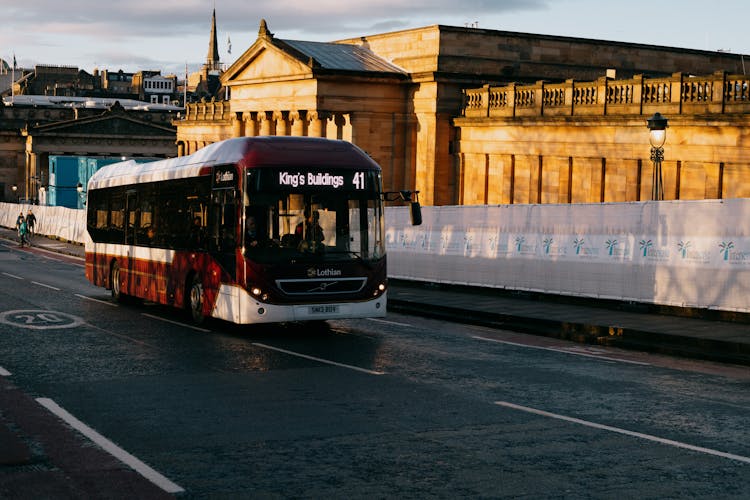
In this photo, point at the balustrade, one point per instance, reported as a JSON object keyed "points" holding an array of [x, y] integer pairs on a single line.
{"points": [[584, 94], [716, 93], [207, 110], [554, 96]]}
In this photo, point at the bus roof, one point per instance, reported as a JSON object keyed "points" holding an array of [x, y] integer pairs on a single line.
{"points": [[247, 151]]}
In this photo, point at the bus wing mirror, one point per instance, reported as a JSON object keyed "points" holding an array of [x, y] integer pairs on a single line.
{"points": [[415, 211]]}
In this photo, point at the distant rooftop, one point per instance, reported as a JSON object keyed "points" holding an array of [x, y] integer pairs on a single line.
{"points": [[85, 102]]}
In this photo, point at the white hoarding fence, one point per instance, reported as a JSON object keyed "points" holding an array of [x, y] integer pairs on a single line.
{"points": [[680, 253]]}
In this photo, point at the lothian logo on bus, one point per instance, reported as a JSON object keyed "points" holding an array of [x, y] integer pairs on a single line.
{"points": [[224, 176], [322, 273]]}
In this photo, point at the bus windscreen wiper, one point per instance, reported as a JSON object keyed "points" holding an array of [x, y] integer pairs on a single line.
{"points": [[356, 255]]}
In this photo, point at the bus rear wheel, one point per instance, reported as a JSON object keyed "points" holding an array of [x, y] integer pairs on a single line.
{"points": [[195, 301]]}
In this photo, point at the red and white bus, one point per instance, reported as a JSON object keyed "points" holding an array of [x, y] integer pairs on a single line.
{"points": [[247, 230]]}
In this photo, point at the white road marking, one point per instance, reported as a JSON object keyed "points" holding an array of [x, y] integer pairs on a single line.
{"points": [[39, 319], [4, 372], [111, 448], [46, 286], [176, 322], [96, 300], [573, 351], [45, 248], [320, 360], [13, 276], [58, 245], [618, 430], [389, 322]]}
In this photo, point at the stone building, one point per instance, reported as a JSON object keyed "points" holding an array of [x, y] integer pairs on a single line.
{"points": [[397, 95], [33, 128], [56, 81], [587, 142]]}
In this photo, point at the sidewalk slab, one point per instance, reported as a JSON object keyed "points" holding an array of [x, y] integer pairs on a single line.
{"points": [[582, 320]]}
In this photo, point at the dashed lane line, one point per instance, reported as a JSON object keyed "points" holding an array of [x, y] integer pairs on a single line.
{"points": [[46, 286], [111, 304], [389, 322], [562, 350], [176, 322], [640, 435], [319, 360]]}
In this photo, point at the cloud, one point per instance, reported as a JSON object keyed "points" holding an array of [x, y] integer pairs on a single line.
{"points": [[173, 17], [89, 32]]}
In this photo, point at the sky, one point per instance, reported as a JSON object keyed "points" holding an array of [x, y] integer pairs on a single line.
{"points": [[167, 35]]}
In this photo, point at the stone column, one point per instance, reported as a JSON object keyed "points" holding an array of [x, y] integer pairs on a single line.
{"points": [[31, 173], [251, 123], [238, 125], [318, 123], [298, 123], [341, 121], [266, 123], [282, 124]]}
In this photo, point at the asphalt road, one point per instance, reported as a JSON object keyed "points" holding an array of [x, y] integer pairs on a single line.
{"points": [[401, 407]]}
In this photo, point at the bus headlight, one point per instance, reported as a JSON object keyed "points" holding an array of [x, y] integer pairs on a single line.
{"points": [[258, 293]]}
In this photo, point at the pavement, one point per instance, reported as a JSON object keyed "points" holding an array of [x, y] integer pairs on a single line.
{"points": [[41, 457]]}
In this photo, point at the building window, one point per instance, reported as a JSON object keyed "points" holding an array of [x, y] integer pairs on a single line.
{"points": [[154, 99]]}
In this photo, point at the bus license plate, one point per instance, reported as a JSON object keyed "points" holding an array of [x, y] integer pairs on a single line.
{"points": [[327, 309]]}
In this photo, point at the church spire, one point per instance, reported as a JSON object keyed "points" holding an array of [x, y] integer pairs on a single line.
{"points": [[212, 61]]}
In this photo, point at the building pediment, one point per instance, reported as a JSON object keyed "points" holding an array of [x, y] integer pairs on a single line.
{"points": [[264, 61], [108, 124]]}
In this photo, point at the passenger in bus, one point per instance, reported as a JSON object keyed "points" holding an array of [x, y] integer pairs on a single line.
{"points": [[196, 233], [251, 232], [311, 227], [312, 231], [256, 236]]}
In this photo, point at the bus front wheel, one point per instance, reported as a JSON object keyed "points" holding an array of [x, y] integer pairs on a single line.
{"points": [[195, 302]]}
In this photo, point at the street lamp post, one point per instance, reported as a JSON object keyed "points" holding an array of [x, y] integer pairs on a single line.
{"points": [[657, 125], [14, 188]]}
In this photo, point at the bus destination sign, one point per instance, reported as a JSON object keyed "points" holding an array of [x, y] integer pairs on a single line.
{"points": [[335, 180]]}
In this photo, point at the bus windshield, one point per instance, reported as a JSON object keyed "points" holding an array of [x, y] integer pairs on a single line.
{"points": [[332, 215]]}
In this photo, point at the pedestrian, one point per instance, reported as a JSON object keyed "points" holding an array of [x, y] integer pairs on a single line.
{"points": [[23, 233], [30, 222], [19, 220]]}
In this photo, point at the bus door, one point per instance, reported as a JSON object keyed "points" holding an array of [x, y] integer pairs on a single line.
{"points": [[131, 216], [223, 219]]}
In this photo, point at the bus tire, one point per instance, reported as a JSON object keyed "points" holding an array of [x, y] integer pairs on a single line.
{"points": [[195, 301], [114, 283]]}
